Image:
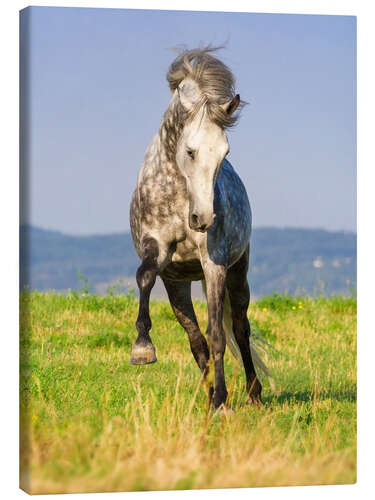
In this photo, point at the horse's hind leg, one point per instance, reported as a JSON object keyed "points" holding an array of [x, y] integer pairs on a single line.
{"points": [[179, 294], [143, 351], [239, 295]]}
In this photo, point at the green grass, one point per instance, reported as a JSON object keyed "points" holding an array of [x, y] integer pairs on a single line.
{"points": [[90, 421]]}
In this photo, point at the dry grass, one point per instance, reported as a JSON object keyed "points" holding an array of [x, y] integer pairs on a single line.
{"points": [[92, 422]]}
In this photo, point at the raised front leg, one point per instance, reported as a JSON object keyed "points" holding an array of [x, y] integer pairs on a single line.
{"points": [[143, 351], [215, 288]]}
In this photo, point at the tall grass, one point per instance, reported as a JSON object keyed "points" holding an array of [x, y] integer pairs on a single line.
{"points": [[90, 421]]}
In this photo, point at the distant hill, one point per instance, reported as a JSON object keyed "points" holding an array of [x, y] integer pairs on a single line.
{"points": [[296, 261]]}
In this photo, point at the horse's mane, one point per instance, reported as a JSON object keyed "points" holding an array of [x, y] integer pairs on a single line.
{"points": [[215, 80]]}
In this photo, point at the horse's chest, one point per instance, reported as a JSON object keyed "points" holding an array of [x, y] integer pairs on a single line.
{"points": [[186, 250], [185, 263]]}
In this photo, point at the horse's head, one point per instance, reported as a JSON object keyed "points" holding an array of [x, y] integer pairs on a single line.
{"points": [[201, 149]]}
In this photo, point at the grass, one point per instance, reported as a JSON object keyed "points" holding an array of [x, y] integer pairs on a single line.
{"points": [[90, 421]]}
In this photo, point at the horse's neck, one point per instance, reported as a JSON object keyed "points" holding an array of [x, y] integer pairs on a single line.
{"points": [[171, 128], [160, 156], [156, 163]]}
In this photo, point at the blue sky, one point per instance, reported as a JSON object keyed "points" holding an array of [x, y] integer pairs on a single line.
{"points": [[98, 92]]}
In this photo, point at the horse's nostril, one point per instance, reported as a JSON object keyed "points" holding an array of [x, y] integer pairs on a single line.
{"points": [[194, 219], [195, 223]]}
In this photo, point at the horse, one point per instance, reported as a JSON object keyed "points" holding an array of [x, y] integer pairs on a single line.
{"points": [[190, 220]]}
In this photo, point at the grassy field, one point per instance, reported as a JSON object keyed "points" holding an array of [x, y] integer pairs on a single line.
{"points": [[90, 421]]}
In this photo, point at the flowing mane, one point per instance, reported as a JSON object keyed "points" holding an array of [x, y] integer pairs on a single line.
{"points": [[215, 80]]}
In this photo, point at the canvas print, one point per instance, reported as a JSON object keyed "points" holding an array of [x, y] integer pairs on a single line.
{"points": [[187, 250]]}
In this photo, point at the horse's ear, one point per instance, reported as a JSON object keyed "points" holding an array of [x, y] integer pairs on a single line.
{"points": [[189, 93], [231, 106]]}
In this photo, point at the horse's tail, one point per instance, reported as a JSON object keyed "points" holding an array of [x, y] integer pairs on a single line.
{"points": [[256, 341]]}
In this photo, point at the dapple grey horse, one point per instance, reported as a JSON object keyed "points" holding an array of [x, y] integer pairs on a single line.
{"points": [[191, 220]]}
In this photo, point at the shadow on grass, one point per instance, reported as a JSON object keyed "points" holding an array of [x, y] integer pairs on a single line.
{"points": [[309, 396]]}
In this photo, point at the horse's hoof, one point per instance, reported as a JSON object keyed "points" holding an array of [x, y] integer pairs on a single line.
{"points": [[255, 401], [143, 354], [255, 393]]}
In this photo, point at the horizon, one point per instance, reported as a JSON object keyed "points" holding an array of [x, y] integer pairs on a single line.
{"points": [[281, 259]]}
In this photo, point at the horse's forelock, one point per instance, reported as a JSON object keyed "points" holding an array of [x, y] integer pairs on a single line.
{"points": [[214, 78]]}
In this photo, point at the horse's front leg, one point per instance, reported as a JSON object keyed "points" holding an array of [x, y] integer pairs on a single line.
{"points": [[215, 288], [143, 351]]}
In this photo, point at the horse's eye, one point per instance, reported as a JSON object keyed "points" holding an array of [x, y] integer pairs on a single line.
{"points": [[190, 153]]}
